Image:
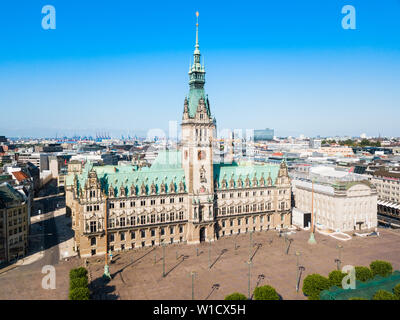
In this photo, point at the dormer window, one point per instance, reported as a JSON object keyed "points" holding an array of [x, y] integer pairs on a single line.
{"points": [[201, 116]]}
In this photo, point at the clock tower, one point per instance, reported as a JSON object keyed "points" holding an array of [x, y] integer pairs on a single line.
{"points": [[198, 132]]}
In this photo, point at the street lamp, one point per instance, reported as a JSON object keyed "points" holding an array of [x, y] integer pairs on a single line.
{"points": [[193, 274], [251, 243], [312, 238], [339, 260], [259, 278], [298, 253], [163, 259], [209, 254], [249, 276], [106, 268]]}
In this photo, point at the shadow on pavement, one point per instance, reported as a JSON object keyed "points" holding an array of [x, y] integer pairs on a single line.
{"points": [[101, 290]]}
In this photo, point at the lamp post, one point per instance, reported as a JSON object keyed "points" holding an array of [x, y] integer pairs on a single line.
{"points": [[312, 238], [259, 278], [298, 253], [339, 260], [193, 274], [106, 268], [209, 253], [251, 243], [163, 259], [249, 277]]}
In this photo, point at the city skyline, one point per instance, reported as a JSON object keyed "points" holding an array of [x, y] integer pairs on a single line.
{"points": [[272, 66]]}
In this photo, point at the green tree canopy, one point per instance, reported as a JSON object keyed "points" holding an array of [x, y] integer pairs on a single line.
{"points": [[265, 293], [396, 291], [236, 296], [363, 273], [79, 294], [384, 295], [380, 267], [77, 273], [313, 284], [336, 277], [81, 282]]}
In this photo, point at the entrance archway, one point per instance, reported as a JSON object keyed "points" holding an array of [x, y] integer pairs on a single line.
{"points": [[202, 234]]}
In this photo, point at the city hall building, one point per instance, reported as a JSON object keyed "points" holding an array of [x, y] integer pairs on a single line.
{"points": [[185, 196]]}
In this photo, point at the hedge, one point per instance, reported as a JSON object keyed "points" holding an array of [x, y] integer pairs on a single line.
{"points": [[382, 268], [265, 293], [78, 283], [363, 273], [313, 284], [79, 294], [236, 296], [357, 298], [78, 273], [384, 295], [336, 277]]}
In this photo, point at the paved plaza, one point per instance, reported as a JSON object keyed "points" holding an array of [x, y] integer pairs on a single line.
{"points": [[137, 276]]}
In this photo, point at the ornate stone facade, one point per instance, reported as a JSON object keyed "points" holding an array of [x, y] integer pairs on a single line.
{"points": [[183, 196]]}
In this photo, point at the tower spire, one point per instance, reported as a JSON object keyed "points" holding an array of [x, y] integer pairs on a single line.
{"points": [[197, 33]]}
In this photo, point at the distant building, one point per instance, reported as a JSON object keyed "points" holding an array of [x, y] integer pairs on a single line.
{"points": [[315, 143], [264, 135], [388, 186], [343, 201], [339, 207], [52, 147], [13, 223], [110, 159]]}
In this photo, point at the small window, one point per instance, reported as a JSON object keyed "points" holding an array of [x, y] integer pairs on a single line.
{"points": [[93, 241]]}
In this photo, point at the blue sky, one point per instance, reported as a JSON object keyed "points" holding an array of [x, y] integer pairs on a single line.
{"points": [[121, 66]]}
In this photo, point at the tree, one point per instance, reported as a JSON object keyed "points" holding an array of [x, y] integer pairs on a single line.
{"points": [[79, 294], [78, 273], [363, 273], [313, 284], [396, 291], [265, 293], [236, 296], [81, 282], [384, 295], [382, 268], [336, 277]]}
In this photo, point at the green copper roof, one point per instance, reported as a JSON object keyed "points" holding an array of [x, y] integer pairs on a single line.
{"points": [[195, 94], [244, 170], [166, 169]]}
